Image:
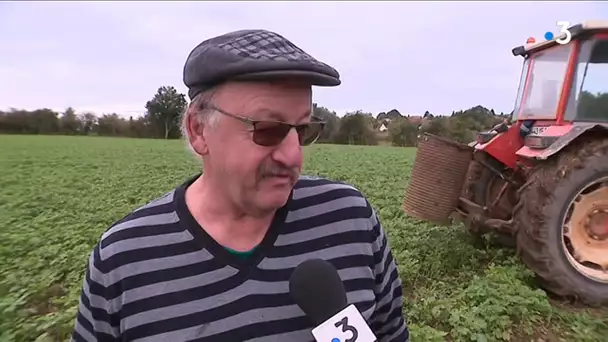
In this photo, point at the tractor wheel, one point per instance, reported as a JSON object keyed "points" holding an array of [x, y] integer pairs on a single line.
{"points": [[483, 186], [562, 222]]}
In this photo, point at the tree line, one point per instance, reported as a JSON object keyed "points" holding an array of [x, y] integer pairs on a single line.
{"points": [[161, 121], [394, 128]]}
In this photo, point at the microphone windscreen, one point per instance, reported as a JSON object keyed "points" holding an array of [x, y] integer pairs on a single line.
{"points": [[317, 289]]}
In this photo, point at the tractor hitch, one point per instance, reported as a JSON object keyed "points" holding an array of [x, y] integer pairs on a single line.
{"points": [[475, 215]]}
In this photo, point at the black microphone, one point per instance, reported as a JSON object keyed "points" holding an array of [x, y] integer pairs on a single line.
{"points": [[318, 290]]}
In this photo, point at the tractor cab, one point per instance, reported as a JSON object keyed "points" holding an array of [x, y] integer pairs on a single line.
{"points": [[563, 82], [539, 180], [563, 87]]}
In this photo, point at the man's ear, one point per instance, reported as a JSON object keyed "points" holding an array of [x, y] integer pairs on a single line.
{"points": [[196, 133]]}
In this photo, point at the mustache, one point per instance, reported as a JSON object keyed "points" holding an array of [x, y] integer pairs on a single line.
{"points": [[273, 169]]}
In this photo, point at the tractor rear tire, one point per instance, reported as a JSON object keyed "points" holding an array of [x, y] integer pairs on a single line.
{"points": [[545, 201], [479, 179]]}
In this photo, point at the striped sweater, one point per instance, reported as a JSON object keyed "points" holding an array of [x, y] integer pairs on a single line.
{"points": [[157, 276]]}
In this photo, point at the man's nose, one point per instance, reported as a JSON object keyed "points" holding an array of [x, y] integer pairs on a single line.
{"points": [[289, 151]]}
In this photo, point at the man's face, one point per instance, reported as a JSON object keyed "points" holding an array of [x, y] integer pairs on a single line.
{"points": [[258, 178]]}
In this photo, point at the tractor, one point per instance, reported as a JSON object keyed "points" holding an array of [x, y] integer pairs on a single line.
{"points": [[539, 179]]}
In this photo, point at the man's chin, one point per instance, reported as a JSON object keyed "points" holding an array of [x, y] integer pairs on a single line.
{"points": [[275, 196]]}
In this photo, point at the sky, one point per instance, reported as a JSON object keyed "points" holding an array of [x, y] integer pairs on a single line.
{"points": [[411, 56]]}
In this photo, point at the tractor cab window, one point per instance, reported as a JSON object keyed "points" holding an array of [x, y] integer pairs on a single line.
{"points": [[544, 84], [590, 102], [520, 89]]}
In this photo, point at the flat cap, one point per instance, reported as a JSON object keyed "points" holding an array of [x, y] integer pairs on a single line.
{"points": [[252, 55]]}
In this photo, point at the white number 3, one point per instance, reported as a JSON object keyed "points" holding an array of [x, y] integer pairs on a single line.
{"points": [[563, 30]]}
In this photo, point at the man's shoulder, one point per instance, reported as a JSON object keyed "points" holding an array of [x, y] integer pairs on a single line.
{"points": [[154, 212], [151, 221], [321, 195], [309, 186]]}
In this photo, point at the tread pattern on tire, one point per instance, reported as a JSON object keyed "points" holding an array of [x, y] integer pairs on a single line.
{"points": [[531, 210]]}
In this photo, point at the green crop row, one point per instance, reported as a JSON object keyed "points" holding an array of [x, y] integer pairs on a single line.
{"points": [[58, 194]]}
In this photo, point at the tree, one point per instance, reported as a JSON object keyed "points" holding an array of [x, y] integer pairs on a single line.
{"points": [[332, 122], [391, 115], [402, 132], [164, 110], [43, 121], [592, 106], [87, 122], [356, 129], [139, 128], [69, 122], [111, 125], [437, 126]]}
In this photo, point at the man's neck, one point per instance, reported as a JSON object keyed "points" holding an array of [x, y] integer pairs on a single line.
{"points": [[224, 221]]}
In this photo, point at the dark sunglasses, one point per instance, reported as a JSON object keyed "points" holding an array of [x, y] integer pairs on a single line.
{"points": [[272, 133]]}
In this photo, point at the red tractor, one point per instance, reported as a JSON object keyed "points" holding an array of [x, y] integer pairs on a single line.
{"points": [[539, 179]]}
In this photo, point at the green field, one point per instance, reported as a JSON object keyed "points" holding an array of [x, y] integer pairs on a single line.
{"points": [[58, 194]]}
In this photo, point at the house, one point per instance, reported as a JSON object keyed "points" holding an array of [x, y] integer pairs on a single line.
{"points": [[416, 119], [383, 128]]}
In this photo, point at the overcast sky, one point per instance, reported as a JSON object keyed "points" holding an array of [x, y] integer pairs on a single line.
{"points": [[112, 56]]}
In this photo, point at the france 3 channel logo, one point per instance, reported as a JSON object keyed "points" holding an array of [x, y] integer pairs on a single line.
{"points": [[564, 35]]}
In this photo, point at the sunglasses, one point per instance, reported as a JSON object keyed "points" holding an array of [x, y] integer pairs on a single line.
{"points": [[272, 133]]}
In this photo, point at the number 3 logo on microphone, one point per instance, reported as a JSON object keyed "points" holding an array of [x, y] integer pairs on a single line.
{"points": [[346, 326]]}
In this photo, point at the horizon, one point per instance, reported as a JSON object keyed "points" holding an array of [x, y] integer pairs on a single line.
{"points": [[110, 57], [340, 115]]}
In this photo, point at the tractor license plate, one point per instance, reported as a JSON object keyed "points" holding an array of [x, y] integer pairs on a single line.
{"points": [[538, 130]]}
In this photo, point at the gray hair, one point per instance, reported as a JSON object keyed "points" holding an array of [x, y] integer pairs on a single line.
{"points": [[203, 116]]}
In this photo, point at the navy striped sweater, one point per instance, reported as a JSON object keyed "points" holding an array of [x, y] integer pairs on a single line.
{"points": [[157, 276]]}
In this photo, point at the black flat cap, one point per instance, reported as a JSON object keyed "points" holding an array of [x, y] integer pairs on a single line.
{"points": [[252, 55]]}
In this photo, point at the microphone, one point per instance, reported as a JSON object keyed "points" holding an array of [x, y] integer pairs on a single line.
{"points": [[318, 290]]}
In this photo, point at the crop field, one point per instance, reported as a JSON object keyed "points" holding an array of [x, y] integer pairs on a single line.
{"points": [[58, 194]]}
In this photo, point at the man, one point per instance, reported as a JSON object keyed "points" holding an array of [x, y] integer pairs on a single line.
{"points": [[211, 260]]}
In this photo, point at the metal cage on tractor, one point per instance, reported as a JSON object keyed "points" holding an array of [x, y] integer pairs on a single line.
{"points": [[540, 179]]}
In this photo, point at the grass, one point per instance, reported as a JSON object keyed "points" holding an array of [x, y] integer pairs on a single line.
{"points": [[58, 194]]}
